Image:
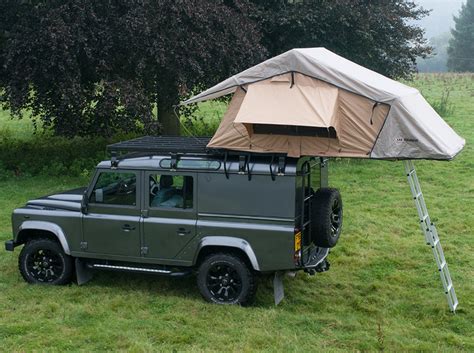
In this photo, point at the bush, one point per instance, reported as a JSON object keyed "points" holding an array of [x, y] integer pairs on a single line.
{"points": [[205, 120], [49, 155], [443, 106]]}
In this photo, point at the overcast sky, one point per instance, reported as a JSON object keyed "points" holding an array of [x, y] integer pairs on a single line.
{"points": [[441, 18]]}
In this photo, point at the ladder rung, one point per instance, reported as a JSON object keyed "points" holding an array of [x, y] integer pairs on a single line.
{"points": [[435, 242], [418, 195], [306, 223], [449, 287], [308, 198], [411, 172], [442, 265], [455, 305], [424, 218]]}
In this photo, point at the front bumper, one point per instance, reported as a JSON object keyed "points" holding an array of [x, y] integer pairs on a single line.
{"points": [[10, 245]]}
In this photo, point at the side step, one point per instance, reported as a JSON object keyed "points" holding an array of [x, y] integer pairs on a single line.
{"points": [[85, 269], [126, 267], [129, 268]]}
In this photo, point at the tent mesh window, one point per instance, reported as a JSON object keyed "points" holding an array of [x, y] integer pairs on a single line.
{"points": [[269, 129]]}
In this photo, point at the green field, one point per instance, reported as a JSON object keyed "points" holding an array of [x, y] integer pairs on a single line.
{"points": [[383, 292]]}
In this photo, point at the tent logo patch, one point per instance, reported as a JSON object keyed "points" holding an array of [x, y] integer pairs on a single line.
{"points": [[405, 139]]}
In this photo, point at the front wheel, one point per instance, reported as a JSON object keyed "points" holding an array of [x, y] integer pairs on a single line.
{"points": [[226, 279], [43, 261]]}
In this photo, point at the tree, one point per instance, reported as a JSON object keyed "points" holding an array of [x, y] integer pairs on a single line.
{"points": [[461, 46], [381, 35], [97, 67], [88, 67], [438, 61]]}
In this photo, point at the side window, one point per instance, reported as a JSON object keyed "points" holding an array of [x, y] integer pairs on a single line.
{"points": [[171, 191], [115, 189]]}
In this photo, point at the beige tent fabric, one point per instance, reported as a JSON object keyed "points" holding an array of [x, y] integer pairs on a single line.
{"points": [[229, 135], [360, 121], [412, 128], [276, 101], [357, 119]]}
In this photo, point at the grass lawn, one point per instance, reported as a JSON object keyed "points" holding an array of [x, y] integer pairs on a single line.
{"points": [[383, 292], [18, 128]]}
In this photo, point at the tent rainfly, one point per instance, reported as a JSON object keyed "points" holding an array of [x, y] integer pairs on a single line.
{"points": [[312, 102]]}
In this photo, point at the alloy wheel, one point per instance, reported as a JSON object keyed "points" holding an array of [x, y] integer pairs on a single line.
{"points": [[45, 265], [224, 283]]}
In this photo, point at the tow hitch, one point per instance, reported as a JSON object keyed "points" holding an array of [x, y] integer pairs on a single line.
{"points": [[323, 266]]}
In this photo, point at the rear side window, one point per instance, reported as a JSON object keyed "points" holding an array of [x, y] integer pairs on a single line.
{"points": [[171, 191], [114, 188], [192, 164]]}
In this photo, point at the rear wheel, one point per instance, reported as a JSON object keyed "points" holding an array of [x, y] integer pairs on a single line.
{"points": [[43, 261], [327, 217], [226, 279]]}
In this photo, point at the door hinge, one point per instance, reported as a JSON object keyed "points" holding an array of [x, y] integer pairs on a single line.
{"points": [[83, 245], [144, 250]]}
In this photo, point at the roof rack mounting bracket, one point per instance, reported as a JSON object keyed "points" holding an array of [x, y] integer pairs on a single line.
{"points": [[226, 172], [281, 165], [248, 168], [242, 164], [272, 175], [113, 160], [174, 162]]}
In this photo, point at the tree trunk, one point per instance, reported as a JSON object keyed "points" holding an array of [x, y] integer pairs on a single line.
{"points": [[169, 121]]}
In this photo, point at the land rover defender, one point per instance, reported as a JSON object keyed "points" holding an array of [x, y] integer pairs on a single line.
{"points": [[170, 206]]}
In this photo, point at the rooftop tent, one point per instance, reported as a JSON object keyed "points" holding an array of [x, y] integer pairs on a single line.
{"points": [[312, 102], [300, 115]]}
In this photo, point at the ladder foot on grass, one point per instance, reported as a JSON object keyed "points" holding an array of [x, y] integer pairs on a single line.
{"points": [[431, 235]]}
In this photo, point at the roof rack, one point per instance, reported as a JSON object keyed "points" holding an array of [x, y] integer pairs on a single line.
{"points": [[162, 145], [177, 146], [173, 146]]}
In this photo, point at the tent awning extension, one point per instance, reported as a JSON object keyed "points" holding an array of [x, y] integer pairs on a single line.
{"points": [[312, 102]]}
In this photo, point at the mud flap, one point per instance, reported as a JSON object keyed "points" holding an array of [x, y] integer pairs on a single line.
{"points": [[278, 289], [83, 273]]}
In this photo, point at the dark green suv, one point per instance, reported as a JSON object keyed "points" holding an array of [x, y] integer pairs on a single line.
{"points": [[170, 206]]}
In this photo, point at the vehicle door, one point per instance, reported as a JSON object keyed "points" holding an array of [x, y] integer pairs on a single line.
{"points": [[111, 225], [170, 205]]}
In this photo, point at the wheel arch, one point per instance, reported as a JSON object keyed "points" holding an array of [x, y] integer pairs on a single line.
{"points": [[214, 244], [31, 229]]}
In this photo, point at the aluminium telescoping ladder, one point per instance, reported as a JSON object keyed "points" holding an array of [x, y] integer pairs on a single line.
{"points": [[431, 235]]}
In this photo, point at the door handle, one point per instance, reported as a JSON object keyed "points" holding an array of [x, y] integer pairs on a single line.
{"points": [[183, 231], [127, 228]]}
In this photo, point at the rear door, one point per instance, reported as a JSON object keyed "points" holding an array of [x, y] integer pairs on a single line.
{"points": [[170, 213]]}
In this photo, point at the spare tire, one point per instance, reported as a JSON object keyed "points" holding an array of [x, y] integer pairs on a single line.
{"points": [[326, 213]]}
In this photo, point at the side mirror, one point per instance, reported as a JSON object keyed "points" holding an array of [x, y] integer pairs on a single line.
{"points": [[84, 202]]}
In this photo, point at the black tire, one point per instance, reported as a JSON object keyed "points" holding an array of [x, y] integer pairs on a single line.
{"points": [[43, 261], [327, 217], [226, 279]]}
